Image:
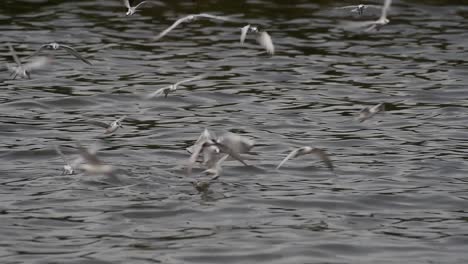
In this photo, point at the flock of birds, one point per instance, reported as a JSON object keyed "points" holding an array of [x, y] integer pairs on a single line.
{"points": [[209, 150]]}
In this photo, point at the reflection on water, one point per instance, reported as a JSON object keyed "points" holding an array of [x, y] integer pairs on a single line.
{"points": [[399, 193]]}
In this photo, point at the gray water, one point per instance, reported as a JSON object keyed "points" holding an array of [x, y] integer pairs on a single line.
{"points": [[399, 193]]}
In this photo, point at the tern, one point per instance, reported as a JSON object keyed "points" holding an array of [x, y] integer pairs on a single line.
{"points": [[68, 168], [172, 88], [24, 71], [93, 165], [379, 23], [222, 144], [369, 112], [110, 128], [131, 9], [359, 8], [190, 18], [308, 150], [263, 38], [56, 46]]}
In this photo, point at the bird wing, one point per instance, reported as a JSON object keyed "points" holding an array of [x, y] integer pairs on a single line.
{"points": [[73, 52], [324, 157], [385, 9], [37, 51], [214, 17], [347, 7], [121, 118], [140, 4], [265, 41], [13, 54], [189, 80], [193, 158], [243, 35], [226, 149], [175, 24], [292, 154], [37, 63], [88, 156], [377, 108], [64, 158], [126, 3], [156, 93], [98, 123]]}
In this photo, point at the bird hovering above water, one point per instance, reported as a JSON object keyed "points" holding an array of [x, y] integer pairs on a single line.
{"points": [[24, 71], [190, 18], [173, 87], [110, 128], [369, 112], [56, 46], [359, 9], [379, 23], [263, 38], [131, 9], [308, 150]]}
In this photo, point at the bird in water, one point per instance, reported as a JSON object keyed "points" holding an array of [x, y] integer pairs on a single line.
{"points": [[190, 18], [308, 150], [369, 112], [56, 46], [24, 70], [172, 88], [132, 9], [111, 127], [263, 38]]}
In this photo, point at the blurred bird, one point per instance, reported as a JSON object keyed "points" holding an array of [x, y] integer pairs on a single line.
{"points": [[369, 112], [379, 23], [308, 150], [359, 8], [110, 128], [24, 70], [173, 87], [68, 168], [190, 18], [131, 10], [263, 38], [56, 46], [93, 165]]}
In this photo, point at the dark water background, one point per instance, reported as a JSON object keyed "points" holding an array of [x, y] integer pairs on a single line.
{"points": [[401, 185]]}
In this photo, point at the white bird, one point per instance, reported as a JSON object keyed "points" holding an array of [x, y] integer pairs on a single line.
{"points": [[216, 169], [24, 70], [56, 46], [379, 23], [190, 18], [173, 87], [359, 8], [68, 168], [93, 165], [263, 38], [308, 150], [131, 10], [110, 128], [369, 112]]}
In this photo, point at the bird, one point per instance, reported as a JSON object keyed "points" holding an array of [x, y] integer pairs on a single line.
{"points": [[110, 128], [263, 38], [24, 70], [68, 168], [172, 88], [56, 46], [359, 8], [93, 165], [216, 145], [190, 18], [131, 10], [215, 170], [308, 150], [379, 23], [369, 112]]}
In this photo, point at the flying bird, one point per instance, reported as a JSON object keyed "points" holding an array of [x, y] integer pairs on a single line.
{"points": [[190, 18], [263, 38], [110, 128], [24, 70], [56, 46], [131, 9], [379, 23], [308, 150], [173, 87], [369, 112], [359, 8]]}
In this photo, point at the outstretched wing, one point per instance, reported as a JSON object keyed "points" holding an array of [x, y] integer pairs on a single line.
{"points": [[265, 41], [37, 51], [225, 149], [223, 18], [292, 154], [189, 80], [89, 157], [193, 158], [180, 20], [13, 54], [98, 123], [136, 7], [243, 35], [385, 9], [324, 157], [73, 52], [126, 3], [160, 91], [59, 151]]}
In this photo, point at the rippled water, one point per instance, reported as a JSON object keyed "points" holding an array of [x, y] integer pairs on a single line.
{"points": [[400, 190]]}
